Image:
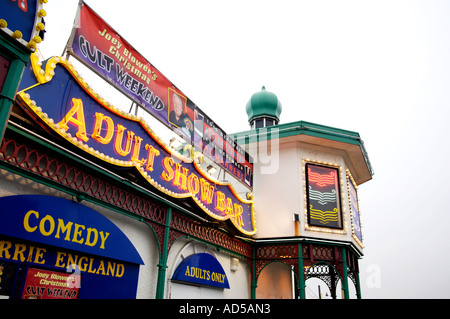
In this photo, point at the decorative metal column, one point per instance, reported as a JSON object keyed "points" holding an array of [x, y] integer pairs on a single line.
{"points": [[301, 273], [162, 266], [344, 274]]}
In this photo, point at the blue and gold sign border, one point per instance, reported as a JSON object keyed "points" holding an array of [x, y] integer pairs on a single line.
{"points": [[28, 40]]}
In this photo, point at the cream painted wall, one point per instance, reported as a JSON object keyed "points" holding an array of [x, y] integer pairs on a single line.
{"points": [[276, 195], [281, 193]]}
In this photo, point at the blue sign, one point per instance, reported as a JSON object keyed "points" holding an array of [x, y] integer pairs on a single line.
{"points": [[201, 269], [63, 223]]}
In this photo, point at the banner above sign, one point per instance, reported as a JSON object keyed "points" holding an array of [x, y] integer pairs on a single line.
{"points": [[64, 103], [103, 50], [22, 20]]}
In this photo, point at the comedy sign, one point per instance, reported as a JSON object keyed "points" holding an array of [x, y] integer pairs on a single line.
{"points": [[65, 104]]}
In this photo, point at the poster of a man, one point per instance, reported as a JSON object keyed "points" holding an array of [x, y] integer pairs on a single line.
{"points": [[178, 113]]}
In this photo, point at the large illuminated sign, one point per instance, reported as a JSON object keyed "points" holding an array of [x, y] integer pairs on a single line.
{"points": [[64, 103]]}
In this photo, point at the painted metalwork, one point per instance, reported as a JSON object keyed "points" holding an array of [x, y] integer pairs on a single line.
{"points": [[330, 263]]}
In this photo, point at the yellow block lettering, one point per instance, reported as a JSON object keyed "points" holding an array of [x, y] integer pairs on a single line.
{"points": [[77, 232], [96, 134], [42, 225], [111, 268], [88, 241], [193, 184], [168, 173], [119, 141], [220, 201], [152, 153], [71, 260], [26, 221], [19, 250], [83, 264], [101, 268], [38, 258], [120, 270], [64, 229], [103, 237], [229, 207], [4, 249], [75, 116], [180, 179], [207, 191], [60, 259], [136, 151], [238, 214]]}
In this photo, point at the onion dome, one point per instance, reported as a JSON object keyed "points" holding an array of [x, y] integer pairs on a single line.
{"points": [[263, 109]]}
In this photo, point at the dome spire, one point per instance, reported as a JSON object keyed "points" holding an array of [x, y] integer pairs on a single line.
{"points": [[263, 109]]}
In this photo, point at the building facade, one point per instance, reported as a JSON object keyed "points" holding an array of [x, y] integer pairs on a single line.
{"points": [[305, 193], [95, 205]]}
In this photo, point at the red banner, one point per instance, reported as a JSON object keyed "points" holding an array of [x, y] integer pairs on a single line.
{"points": [[103, 50], [44, 284]]}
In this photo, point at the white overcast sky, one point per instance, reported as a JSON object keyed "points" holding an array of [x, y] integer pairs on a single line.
{"points": [[380, 68]]}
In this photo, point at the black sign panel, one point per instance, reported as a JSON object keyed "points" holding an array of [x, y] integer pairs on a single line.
{"points": [[323, 193]]}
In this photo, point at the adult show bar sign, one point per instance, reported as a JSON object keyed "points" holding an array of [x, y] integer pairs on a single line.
{"points": [[64, 103], [98, 46]]}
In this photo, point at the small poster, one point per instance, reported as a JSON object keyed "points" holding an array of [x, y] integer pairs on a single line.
{"points": [[44, 284]]}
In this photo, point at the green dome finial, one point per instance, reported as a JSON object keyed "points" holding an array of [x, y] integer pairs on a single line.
{"points": [[263, 104]]}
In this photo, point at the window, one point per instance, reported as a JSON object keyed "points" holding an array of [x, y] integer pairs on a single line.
{"points": [[259, 123], [323, 196]]}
